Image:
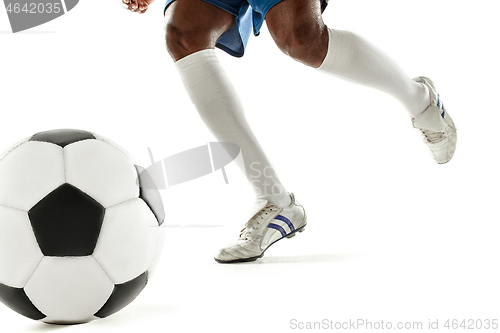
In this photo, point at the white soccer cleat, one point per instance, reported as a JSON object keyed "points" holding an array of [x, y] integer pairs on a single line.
{"points": [[436, 125], [267, 225]]}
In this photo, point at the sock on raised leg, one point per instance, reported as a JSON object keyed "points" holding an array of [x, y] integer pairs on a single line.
{"points": [[354, 59]]}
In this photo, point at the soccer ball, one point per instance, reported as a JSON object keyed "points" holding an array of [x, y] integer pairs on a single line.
{"points": [[79, 235]]}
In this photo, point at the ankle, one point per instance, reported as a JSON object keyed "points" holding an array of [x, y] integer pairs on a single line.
{"points": [[281, 200], [422, 101]]}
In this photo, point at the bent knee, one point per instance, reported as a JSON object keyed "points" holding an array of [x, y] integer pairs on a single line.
{"points": [[306, 43], [194, 25], [181, 42]]}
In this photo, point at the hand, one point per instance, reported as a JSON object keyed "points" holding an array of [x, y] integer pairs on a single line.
{"points": [[137, 6]]}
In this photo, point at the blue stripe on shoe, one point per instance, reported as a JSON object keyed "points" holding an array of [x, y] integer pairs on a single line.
{"points": [[287, 221], [277, 227], [440, 106]]}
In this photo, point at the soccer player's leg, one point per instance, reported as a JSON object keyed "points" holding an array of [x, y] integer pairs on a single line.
{"points": [[298, 29], [192, 30]]}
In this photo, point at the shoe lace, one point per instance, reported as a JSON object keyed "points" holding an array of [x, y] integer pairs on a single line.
{"points": [[433, 137], [254, 222]]}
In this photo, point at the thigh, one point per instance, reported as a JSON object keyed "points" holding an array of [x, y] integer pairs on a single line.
{"points": [[293, 14], [197, 13]]}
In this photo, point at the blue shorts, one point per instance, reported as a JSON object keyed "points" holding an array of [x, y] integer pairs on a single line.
{"points": [[249, 15]]}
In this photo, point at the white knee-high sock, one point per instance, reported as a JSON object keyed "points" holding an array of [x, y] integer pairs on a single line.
{"points": [[354, 59], [220, 108]]}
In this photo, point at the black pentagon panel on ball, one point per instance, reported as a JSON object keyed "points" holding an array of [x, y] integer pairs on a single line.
{"points": [[62, 137], [150, 194], [67, 222], [16, 299], [122, 295]]}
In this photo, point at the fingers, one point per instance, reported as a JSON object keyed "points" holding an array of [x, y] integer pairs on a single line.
{"points": [[143, 6], [136, 6], [128, 4]]}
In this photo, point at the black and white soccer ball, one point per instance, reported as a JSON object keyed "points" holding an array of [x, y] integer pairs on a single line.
{"points": [[79, 236]]}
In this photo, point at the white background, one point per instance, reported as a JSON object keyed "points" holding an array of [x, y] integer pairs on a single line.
{"points": [[392, 236]]}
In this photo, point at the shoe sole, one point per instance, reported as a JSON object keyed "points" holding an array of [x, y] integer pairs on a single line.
{"points": [[290, 235]]}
